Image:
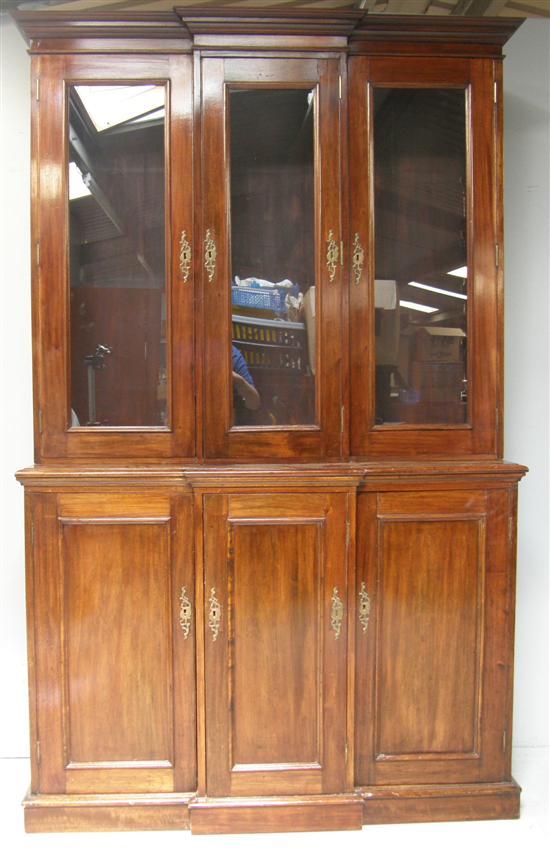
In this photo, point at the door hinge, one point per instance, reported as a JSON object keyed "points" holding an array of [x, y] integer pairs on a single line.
{"points": [[511, 529], [495, 92], [40, 421], [504, 740], [342, 419], [348, 534], [342, 253], [37, 253], [38, 752], [497, 255], [37, 89], [346, 751], [340, 87]]}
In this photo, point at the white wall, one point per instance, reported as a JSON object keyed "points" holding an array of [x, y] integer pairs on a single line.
{"points": [[527, 88], [16, 443], [527, 278]]}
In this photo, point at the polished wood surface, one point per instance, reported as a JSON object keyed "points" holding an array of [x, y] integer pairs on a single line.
{"points": [[74, 814], [109, 649], [282, 627], [433, 666], [414, 721], [270, 815], [367, 33], [468, 802], [276, 563]]}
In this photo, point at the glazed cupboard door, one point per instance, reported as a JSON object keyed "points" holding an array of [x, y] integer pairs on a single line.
{"points": [[271, 258], [425, 285], [434, 636], [113, 640], [113, 279], [275, 643]]}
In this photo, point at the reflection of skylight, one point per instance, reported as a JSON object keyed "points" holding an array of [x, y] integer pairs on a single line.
{"points": [[418, 307], [438, 290], [459, 272], [77, 187], [108, 106]]}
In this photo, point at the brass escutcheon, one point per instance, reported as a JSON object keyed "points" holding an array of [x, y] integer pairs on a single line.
{"points": [[186, 612]]}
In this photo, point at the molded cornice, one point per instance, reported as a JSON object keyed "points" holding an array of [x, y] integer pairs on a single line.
{"points": [[354, 25]]}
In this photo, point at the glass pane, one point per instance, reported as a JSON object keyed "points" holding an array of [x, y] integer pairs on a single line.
{"points": [[117, 256], [272, 256], [421, 289]]}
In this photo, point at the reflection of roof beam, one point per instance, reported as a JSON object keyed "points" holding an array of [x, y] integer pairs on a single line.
{"points": [[496, 7], [471, 7], [86, 166], [103, 201], [526, 9]]}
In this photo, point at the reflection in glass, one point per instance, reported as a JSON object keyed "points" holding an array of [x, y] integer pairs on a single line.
{"points": [[420, 240], [117, 256], [272, 256]]}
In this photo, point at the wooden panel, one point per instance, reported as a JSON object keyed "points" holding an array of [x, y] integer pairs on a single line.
{"points": [[432, 503], [429, 619], [276, 816], [436, 712], [92, 505], [470, 802], [276, 665], [116, 582], [276, 606], [118, 667], [102, 813]]}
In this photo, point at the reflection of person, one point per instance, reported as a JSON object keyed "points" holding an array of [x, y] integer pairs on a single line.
{"points": [[243, 386]]}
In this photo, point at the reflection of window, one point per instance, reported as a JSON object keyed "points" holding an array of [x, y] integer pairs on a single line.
{"points": [[77, 186], [108, 106]]}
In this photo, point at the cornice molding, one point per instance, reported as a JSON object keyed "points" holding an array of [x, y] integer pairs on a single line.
{"points": [[107, 25], [436, 29], [183, 23], [368, 474], [269, 22]]}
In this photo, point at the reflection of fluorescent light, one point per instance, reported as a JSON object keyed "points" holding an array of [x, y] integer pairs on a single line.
{"points": [[77, 188], [459, 272], [439, 291], [418, 307]]}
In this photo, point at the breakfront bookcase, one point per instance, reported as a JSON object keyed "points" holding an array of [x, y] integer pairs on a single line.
{"points": [[270, 533]]}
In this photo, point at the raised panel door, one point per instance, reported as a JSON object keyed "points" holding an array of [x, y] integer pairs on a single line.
{"points": [[434, 657], [114, 638], [275, 643]]}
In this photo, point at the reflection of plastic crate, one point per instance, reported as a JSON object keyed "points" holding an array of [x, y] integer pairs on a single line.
{"points": [[268, 344], [258, 298]]}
